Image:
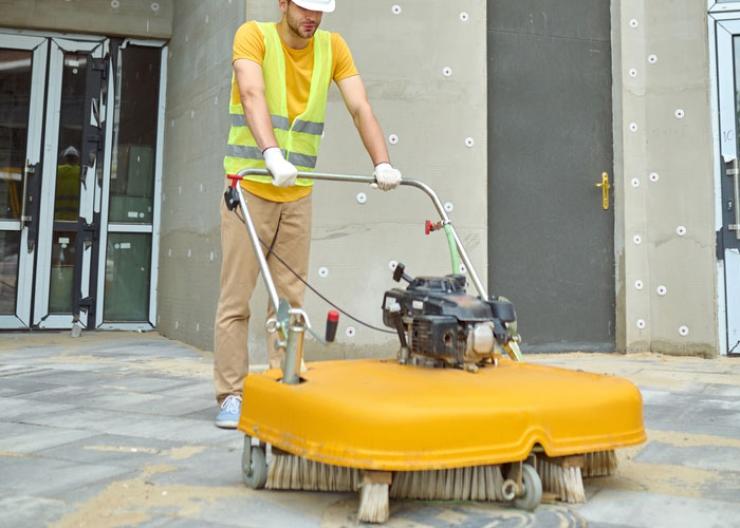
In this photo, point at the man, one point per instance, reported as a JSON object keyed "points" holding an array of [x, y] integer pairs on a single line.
{"points": [[67, 194], [282, 74]]}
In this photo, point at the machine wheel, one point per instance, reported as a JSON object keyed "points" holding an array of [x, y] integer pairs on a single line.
{"points": [[532, 493], [254, 465]]}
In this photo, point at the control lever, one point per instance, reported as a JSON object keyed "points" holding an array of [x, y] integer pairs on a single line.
{"points": [[399, 274]]}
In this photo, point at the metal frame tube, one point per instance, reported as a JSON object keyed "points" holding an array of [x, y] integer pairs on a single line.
{"points": [[351, 178], [266, 275]]}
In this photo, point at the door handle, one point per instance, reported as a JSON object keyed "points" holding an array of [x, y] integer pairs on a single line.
{"points": [[28, 170], [604, 186], [732, 172]]}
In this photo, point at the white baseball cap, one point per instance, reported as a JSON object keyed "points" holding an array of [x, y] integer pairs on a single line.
{"points": [[325, 6]]}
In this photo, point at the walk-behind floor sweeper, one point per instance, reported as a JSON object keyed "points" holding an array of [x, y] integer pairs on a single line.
{"points": [[457, 415]]}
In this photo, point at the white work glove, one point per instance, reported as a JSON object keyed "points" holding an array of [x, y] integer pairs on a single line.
{"points": [[386, 177], [283, 172]]}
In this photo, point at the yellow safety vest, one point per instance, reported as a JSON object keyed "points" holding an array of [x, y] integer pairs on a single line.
{"points": [[67, 194], [299, 140]]}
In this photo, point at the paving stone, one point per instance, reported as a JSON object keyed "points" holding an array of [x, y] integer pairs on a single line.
{"points": [[14, 409], [639, 509], [710, 457], [116, 450], [261, 512], [29, 512], [194, 389], [14, 387], [29, 438], [210, 467], [37, 476], [66, 377], [150, 403], [169, 522], [147, 384]]}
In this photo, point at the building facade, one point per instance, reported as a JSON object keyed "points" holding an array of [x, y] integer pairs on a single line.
{"points": [[113, 119]]}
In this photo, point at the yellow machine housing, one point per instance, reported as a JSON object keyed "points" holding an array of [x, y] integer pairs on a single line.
{"points": [[380, 415]]}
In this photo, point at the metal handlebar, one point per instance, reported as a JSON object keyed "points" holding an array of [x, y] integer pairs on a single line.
{"points": [[351, 178]]}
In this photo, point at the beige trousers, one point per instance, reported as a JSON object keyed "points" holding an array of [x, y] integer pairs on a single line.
{"points": [[286, 229]]}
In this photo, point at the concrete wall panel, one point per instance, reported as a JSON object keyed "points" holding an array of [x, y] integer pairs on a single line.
{"points": [[195, 130], [667, 285], [130, 18]]}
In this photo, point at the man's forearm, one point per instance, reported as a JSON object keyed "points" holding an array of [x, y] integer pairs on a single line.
{"points": [[259, 120], [371, 135]]}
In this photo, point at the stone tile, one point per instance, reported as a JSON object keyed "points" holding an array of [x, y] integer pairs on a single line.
{"points": [[95, 420], [259, 511], [133, 424], [115, 450], [641, 509], [16, 409], [29, 438], [35, 476], [147, 384], [10, 386], [206, 414], [62, 377], [607, 525], [180, 522], [211, 467], [29, 512], [194, 389], [710, 457]]}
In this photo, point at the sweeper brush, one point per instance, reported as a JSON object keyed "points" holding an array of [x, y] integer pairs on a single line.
{"points": [[455, 416]]}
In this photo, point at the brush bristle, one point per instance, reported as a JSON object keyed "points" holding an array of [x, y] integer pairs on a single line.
{"points": [[480, 483], [374, 505], [562, 477], [289, 472], [600, 464]]}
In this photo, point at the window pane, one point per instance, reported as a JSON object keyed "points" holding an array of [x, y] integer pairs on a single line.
{"points": [[15, 97], [62, 272], [127, 277], [135, 141], [71, 119], [9, 251]]}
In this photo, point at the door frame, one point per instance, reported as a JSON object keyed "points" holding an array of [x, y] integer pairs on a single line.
{"points": [[26, 254], [723, 23], [722, 7], [41, 316], [106, 227]]}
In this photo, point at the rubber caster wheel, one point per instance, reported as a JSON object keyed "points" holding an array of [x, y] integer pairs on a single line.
{"points": [[254, 465], [532, 493]]}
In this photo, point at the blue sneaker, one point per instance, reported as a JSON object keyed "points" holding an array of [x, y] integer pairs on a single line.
{"points": [[228, 416]]}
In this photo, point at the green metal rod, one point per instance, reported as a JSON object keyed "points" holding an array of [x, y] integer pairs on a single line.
{"points": [[454, 253]]}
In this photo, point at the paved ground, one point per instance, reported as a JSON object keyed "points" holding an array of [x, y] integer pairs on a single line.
{"points": [[115, 429]]}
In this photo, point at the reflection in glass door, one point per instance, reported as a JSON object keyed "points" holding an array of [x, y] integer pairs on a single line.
{"points": [[22, 68]]}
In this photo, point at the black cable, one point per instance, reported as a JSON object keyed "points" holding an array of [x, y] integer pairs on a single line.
{"points": [[270, 251]]}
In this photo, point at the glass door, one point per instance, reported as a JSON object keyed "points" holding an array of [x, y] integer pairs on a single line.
{"points": [[728, 83], [72, 180], [22, 82], [81, 141]]}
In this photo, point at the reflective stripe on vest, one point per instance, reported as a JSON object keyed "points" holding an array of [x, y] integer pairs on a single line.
{"points": [[299, 142]]}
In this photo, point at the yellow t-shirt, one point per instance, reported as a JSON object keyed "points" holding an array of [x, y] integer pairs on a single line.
{"points": [[249, 43]]}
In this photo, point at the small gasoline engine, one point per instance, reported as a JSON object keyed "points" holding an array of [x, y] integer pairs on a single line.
{"points": [[439, 324]]}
